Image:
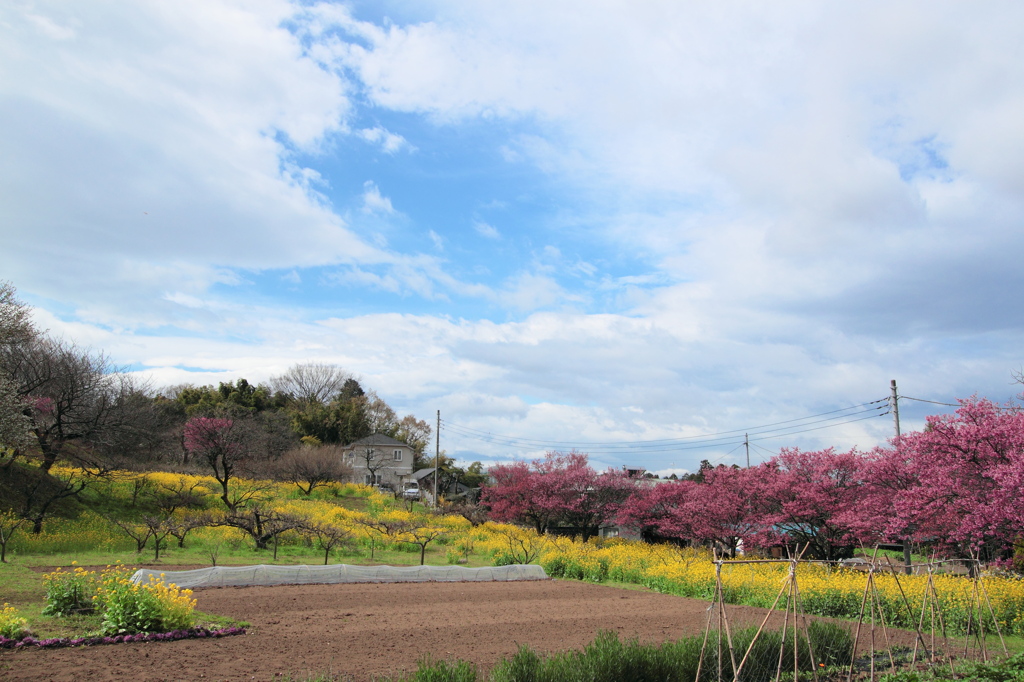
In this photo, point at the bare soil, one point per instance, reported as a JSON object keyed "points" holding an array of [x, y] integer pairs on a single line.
{"points": [[360, 631]]}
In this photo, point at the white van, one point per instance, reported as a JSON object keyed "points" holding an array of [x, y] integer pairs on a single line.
{"points": [[411, 490]]}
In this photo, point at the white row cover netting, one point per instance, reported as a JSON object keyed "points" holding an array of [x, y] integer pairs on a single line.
{"points": [[240, 576]]}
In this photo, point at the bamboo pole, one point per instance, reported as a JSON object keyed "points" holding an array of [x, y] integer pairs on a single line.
{"points": [[757, 634], [725, 619], [860, 621], [995, 621], [910, 613]]}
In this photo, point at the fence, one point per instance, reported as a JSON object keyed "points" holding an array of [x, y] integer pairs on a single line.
{"points": [[934, 613]]}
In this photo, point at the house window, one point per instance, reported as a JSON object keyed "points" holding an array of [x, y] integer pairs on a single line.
{"points": [[372, 479], [398, 455]]}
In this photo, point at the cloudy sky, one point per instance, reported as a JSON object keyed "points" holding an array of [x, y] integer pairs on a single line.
{"points": [[623, 226]]}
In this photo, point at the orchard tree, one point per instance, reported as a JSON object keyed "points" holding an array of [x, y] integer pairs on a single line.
{"points": [[421, 532], [809, 498], [224, 446], [15, 433], [582, 499], [328, 536], [512, 498], [79, 405], [659, 512], [561, 488], [313, 467], [9, 524], [728, 507], [16, 330], [262, 524], [962, 479]]}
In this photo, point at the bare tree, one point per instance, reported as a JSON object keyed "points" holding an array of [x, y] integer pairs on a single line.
{"points": [[328, 536], [312, 382], [423, 535], [40, 492], [185, 493], [471, 511], [80, 406], [226, 446], [15, 321], [16, 330], [15, 425], [522, 545], [9, 524], [415, 433], [313, 467], [380, 417], [389, 529], [262, 525], [373, 457], [138, 532]]}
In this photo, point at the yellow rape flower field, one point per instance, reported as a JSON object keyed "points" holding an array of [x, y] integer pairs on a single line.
{"points": [[376, 528]]}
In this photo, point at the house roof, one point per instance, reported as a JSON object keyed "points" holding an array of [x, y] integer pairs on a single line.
{"points": [[420, 474], [378, 439]]}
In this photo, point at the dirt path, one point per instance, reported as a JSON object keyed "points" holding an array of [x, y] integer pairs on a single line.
{"points": [[363, 630]]}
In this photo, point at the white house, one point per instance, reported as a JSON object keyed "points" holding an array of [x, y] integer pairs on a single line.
{"points": [[379, 459]]}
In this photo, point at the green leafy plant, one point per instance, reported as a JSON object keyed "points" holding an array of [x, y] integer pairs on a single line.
{"points": [[12, 625], [154, 606], [69, 592]]}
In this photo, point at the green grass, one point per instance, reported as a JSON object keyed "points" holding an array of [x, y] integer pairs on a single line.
{"points": [[22, 576], [608, 659]]}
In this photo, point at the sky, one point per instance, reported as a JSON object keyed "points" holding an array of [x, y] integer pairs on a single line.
{"points": [[637, 229]]}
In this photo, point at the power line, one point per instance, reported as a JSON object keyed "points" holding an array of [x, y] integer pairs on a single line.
{"points": [[722, 437], [819, 428], [922, 400], [673, 445], [1001, 408], [671, 440]]}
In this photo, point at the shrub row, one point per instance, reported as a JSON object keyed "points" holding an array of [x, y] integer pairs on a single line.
{"points": [[190, 633]]}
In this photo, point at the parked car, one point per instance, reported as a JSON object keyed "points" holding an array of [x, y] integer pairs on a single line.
{"points": [[411, 490]]}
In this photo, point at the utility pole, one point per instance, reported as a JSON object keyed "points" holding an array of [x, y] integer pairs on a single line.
{"points": [[746, 442], [894, 403], [437, 454]]}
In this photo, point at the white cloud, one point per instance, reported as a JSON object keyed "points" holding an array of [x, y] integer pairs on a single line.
{"points": [[164, 138], [437, 240], [784, 125], [486, 230], [391, 143], [773, 209], [374, 202]]}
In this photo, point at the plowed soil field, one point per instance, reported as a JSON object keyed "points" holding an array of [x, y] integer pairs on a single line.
{"points": [[360, 631]]}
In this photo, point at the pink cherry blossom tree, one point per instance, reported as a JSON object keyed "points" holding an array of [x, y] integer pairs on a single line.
{"points": [[962, 479], [808, 499], [560, 489], [729, 507], [723, 509], [657, 512]]}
